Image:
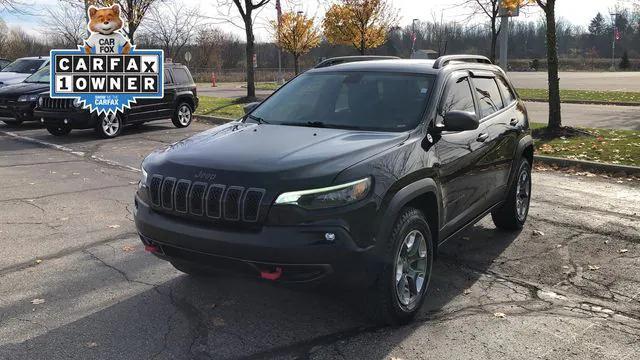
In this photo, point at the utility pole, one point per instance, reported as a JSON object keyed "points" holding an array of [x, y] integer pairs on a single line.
{"points": [[614, 28], [280, 75], [506, 12], [414, 36]]}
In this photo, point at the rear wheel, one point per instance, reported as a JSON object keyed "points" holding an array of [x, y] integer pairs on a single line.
{"points": [[403, 282], [109, 125], [13, 122], [513, 213], [59, 130], [182, 116]]}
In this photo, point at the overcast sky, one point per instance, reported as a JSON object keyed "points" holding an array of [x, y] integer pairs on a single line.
{"points": [[578, 12]]}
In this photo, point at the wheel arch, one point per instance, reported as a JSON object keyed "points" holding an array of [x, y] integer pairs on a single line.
{"points": [[424, 195], [187, 98]]}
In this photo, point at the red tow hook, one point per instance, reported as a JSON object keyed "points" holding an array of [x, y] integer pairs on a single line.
{"points": [[151, 248], [273, 276]]}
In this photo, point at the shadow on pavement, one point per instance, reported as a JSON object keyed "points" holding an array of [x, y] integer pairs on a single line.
{"points": [[227, 317]]}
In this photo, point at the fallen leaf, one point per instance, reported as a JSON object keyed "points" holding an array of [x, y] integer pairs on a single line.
{"points": [[622, 251], [38, 261], [91, 344], [64, 218], [467, 291], [538, 233], [500, 315], [128, 248], [37, 301], [115, 226], [594, 267]]}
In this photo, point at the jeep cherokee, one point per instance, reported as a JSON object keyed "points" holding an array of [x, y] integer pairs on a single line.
{"points": [[356, 172], [180, 100]]}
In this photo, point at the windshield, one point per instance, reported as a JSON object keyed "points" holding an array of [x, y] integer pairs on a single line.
{"points": [[41, 76], [25, 66], [351, 100]]}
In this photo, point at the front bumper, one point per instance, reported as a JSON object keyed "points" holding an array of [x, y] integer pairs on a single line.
{"points": [[77, 119], [15, 110], [301, 251]]}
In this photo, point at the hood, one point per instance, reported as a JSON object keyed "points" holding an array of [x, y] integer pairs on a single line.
{"points": [[243, 154], [16, 90], [7, 78]]}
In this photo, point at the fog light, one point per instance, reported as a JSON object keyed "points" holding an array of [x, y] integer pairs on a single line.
{"points": [[42, 120], [65, 121], [330, 237]]}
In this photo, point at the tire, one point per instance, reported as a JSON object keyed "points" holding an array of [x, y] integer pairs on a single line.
{"points": [[109, 126], [59, 130], [182, 116], [192, 269], [513, 213], [13, 122], [392, 306]]}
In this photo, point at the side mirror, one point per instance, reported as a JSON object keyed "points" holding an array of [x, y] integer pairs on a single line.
{"points": [[460, 121], [250, 106]]}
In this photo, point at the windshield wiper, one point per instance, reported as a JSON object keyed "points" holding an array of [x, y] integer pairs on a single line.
{"points": [[259, 120], [320, 124]]}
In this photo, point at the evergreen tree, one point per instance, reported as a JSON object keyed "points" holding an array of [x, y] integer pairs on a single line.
{"points": [[625, 63], [597, 26]]}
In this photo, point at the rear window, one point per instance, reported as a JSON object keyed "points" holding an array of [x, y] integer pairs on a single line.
{"points": [[489, 97], [24, 66], [181, 76]]}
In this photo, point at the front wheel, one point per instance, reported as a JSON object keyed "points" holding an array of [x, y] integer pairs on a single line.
{"points": [[512, 214], [403, 282], [182, 116], [59, 130], [109, 125]]}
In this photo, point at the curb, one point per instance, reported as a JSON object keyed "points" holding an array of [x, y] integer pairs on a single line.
{"points": [[215, 120], [589, 165], [585, 102]]}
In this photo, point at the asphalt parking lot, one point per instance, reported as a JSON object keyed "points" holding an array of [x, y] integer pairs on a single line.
{"points": [[75, 282]]}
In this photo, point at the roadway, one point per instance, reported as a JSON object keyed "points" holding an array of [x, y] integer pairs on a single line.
{"points": [[77, 284]]}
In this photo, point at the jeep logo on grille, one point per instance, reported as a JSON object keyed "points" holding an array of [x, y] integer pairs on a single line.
{"points": [[202, 175]]}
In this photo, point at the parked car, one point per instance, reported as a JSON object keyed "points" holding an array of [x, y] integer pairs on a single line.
{"points": [[4, 63], [180, 100], [21, 69], [17, 101], [357, 172]]}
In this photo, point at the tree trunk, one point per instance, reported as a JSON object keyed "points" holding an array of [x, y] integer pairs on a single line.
{"points": [[555, 114], [296, 63], [494, 40], [363, 46], [250, 51]]}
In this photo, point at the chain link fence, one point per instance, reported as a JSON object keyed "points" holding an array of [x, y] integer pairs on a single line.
{"points": [[239, 74]]}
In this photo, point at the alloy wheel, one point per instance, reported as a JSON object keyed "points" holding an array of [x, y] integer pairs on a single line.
{"points": [[184, 115], [523, 193], [110, 124], [410, 269]]}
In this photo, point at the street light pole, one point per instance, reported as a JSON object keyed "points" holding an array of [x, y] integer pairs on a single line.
{"points": [[614, 18], [414, 36]]}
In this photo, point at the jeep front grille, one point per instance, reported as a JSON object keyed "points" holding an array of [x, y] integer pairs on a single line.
{"points": [[56, 104], [212, 201]]}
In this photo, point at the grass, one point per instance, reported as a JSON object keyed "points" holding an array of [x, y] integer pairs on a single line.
{"points": [[602, 145], [583, 96], [213, 106]]}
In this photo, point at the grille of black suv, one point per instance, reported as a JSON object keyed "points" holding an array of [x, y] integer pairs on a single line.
{"points": [[212, 201], [56, 104]]}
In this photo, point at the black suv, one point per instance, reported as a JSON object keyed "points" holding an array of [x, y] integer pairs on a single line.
{"points": [[180, 100], [356, 172]]}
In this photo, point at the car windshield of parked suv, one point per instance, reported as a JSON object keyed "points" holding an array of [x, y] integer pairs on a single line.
{"points": [[24, 66], [374, 101], [41, 76]]}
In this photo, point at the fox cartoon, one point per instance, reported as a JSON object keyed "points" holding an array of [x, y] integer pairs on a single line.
{"points": [[106, 37]]}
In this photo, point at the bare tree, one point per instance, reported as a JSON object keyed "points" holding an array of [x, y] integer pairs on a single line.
{"points": [[489, 9], [555, 111], [14, 6], [173, 26], [65, 24], [247, 9]]}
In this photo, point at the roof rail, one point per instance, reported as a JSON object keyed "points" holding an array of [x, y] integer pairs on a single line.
{"points": [[443, 61], [347, 59]]}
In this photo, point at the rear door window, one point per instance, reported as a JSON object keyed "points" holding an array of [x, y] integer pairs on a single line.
{"points": [[507, 94], [167, 77], [489, 98]]}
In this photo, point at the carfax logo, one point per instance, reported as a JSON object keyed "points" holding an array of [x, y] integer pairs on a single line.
{"points": [[107, 74]]}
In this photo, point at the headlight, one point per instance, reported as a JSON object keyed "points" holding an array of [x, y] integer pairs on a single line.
{"points": [[40, 101], [143, 178], [76, 103], [25, 98], [333, 196]]}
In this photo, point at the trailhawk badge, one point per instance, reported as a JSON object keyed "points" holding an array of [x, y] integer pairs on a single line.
{"points": [[107, 74]]}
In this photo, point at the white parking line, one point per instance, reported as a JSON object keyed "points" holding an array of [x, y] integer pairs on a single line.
{"points": [[70, 151]]}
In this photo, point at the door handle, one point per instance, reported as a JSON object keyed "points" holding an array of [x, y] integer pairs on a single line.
{"points": [[482, 137], [514, 122]]}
